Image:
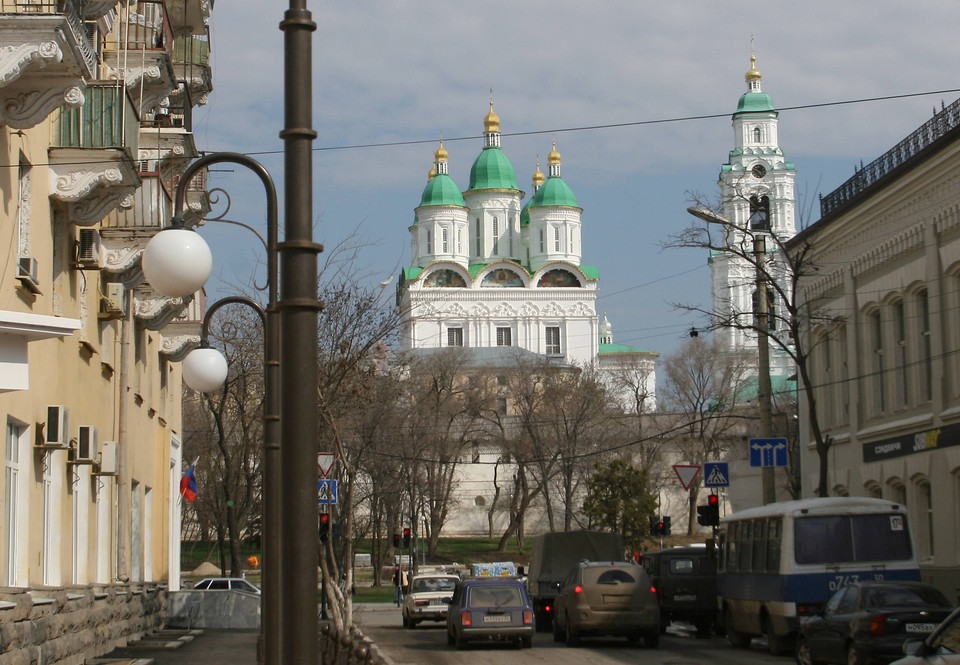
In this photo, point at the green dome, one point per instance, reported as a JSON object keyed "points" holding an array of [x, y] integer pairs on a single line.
{"points": [[525, 214], [554, 192], [492, 170], [755, 102], [441, 191]]}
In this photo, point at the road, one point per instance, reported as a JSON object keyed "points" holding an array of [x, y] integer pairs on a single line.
{"points": [[427, 645]]}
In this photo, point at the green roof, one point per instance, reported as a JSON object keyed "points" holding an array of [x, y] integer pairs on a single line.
{"points": [[525, 214], [441, 191], [554, 192], [755, 102], [411, 273], [591, 272], [492, 170], [619, 348]]}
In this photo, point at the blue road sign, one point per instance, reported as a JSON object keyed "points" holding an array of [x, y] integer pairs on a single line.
{"points": [[327, 491], [768, 452], [716, 474]]}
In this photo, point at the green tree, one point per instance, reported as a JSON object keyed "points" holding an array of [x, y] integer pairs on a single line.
{"points": [[618, 499]]}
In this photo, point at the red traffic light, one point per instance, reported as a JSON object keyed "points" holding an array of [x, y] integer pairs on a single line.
{"points": [[406, 532], [324, 518], [713, 500], [324, 526]]}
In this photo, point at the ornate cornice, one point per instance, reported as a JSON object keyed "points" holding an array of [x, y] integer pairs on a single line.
{"points": [[176, 343], [90, 183], [154, 310], [152, 80], [189, 17], [22, 107], [122, 250]]}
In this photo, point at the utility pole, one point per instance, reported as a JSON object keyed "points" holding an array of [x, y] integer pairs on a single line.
{"points": [[764, 389]]}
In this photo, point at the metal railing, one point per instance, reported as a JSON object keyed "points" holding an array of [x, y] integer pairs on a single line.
{"points": [[107, 119], [943, 122]]}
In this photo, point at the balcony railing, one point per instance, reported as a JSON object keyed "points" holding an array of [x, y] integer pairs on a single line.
{"points": [[943, 122], [69, 9], [146, 28], [107, 119], [191, 50]]}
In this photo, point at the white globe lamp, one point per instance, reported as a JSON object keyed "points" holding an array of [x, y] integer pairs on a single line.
{"points": [[204, 369], [177, 262]]}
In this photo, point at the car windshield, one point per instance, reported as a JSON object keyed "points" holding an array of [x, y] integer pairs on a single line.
{"points": [[894, 596], [608, 576], [495, 596], [434, 584]]}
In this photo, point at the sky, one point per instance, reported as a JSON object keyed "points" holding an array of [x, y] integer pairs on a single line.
{"points": [[638, 97]]}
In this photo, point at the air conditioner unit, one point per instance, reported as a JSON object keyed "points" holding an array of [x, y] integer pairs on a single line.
{"points": [[55, 430], [88, 249], [86, 445], [27, 273], [112, 304], [109, 459]]}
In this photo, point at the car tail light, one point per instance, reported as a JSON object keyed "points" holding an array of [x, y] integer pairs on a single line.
{"points": [[807, 609], [577, 590], [421, 603], [527, 618], [548, 608], [466, 619], [877, 624]]}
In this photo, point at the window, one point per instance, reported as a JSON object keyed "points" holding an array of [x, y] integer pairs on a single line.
{"points": [[23, 209], [757, 135], [542, 242], [503, 337], [459, 242], [760, 213], [556, 239], [12, 501], [876, 347], [496, 235], [502, 406], [851, 538], [926, 363], [429, 243], [553, 340], [444, 242], [924, 515], [900, 323], [479, 237], [454, 336]]}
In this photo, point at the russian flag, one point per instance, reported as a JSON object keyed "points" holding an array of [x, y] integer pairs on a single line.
{"points": [[188, 484]]}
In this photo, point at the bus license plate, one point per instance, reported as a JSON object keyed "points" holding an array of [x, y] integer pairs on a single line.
{"points": [[920, 627]]}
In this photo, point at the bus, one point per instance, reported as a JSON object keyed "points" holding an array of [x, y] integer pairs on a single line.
{"points": [[781, 562]]}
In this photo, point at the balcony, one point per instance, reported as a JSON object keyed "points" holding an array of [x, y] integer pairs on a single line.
{"points": [[139, 52], [92, 151], [190, 17], [45, 57], [191, 63]]}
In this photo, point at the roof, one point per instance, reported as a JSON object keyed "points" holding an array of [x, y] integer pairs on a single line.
{"points": [[755, 102], [620, 348], [493, 356], [554, 192], [492, 170], [441, 191]]}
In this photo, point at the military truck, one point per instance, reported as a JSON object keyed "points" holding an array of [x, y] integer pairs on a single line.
{"points": [[554, 555], [686, 583]]}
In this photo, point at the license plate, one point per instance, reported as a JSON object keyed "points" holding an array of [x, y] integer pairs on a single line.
{"points": [[682, 597], [496, 618], [920, 627], [437, 601]]}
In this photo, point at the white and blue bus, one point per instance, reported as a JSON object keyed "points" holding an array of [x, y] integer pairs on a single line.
{"points": [[782, 561]]}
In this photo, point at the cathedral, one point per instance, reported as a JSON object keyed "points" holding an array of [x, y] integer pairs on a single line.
{"points": [[489, 270]]}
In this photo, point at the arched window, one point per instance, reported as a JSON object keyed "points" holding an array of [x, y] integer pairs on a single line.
{"points": [[757, 135], [759, 213]]}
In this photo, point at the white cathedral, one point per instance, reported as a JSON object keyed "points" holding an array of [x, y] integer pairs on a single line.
{"points": [[488, 270]]}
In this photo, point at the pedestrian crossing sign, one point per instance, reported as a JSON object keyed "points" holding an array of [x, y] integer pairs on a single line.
{"points": [[716, 474], [327, 491]]}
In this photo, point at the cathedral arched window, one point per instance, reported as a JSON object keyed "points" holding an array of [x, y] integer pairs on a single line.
{"points": [[429, 243], [760, 213], [445, 243], [496, 235], [757, 135]]}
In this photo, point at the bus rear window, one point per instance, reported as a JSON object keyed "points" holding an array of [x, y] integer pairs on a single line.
{"points": [[851, 539]]}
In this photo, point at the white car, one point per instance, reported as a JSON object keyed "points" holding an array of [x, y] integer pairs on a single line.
{"points": [[225, 584], [942, 647], [428, 598]]}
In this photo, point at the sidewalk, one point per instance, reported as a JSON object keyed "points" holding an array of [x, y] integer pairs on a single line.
{"points": [[187, 647]]}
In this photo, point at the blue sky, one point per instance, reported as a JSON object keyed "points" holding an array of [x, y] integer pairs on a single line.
{"points": [[404, 71]]}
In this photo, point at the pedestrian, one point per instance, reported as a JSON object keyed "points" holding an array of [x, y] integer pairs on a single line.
{"points": [[397, 582]]}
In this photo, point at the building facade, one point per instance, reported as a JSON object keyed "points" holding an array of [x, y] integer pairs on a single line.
{"points": [[95, 128], [885, 350]]}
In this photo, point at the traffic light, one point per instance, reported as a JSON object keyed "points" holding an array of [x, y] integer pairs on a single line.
{"points": [[665, 525], [709, 515], [396, 540], [654, 526], [324, 527], [406, 536]]}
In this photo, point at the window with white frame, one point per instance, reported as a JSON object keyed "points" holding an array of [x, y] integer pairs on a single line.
{"points": [[459, 242], [924, 518], [542, 242], [429, 242], [444, 241], [757, 134], [556, 239], [454, 336], [926, 356], [504, 337], [14, 476], [552, 340], [496, 235], [479, 237], [875, 377], [24, 197], [900, 339]]}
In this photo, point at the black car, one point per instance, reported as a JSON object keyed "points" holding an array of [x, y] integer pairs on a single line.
{"points": [[868, 622], [490, 609], [686, 583]]}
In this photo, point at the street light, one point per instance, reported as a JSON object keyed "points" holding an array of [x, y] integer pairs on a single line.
{"points": [[764, 388]]}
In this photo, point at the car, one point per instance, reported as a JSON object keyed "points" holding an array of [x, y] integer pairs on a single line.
{"points": [[225, 584], [686, 583], [868, 622], [490, 609], [427, 598], [607, 598], [942, 647]]}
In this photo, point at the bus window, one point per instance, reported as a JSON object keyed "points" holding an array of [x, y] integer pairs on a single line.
{"points": [[881, 538], [823, 539], [744, 545], [773, 545], [759, 556]]}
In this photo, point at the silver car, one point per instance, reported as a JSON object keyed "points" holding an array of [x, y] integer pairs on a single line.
{"points": [[428, 598], [942, 647]]}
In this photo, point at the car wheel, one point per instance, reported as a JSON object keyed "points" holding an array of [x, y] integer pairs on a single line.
{"points": [[854, 657], [735, 638], [775, 643], [651, 640], [573, 635], [559, 635], [803, 655], [703, 627], [406, 621]]}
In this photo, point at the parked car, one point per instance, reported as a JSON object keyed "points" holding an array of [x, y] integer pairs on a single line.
{"points": [[225, 584], [427, 598], [686, 583], [942, 647], [607, 598], [490, 609], [868, 622]]}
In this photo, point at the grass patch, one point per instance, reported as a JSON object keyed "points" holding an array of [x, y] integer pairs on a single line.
{"points": [[374, 594]]}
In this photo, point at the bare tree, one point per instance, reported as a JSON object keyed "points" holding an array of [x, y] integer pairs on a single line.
{"points": [[779, 267]]}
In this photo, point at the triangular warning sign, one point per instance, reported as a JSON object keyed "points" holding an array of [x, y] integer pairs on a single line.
{"points": [[686, 473]]}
